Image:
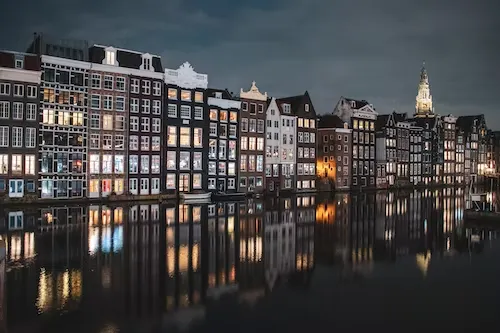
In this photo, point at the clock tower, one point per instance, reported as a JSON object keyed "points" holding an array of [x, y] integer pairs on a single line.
{"points": [[423, 105]]}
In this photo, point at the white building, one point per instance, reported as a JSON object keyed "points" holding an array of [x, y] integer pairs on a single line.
{"points": [[281, 145]]}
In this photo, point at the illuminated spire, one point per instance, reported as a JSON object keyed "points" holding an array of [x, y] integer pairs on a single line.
{"points": [[423, 105], [423, 74]]}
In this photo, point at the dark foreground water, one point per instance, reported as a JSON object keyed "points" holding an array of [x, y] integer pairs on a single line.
{"points": [[381, 261]]}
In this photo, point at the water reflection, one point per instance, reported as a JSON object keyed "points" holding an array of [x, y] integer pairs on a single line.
{"points": [[110, 266]]}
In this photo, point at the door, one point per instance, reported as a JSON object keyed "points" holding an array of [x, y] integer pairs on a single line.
{"points": [[184, 182]]}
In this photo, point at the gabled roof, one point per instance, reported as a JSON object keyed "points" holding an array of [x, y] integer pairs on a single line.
{"points": [[296, 104], [381, 121], [424, 121], [330, 121], [358, 104], [466, 122], [225, 93], [398, 117]]}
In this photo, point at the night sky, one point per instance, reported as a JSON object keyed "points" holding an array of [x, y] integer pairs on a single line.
{"points": [[364, 49]]}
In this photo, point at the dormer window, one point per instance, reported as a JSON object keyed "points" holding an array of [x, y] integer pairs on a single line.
{"points": [[286, 108], [353, 104], [306, 107], [19, 62], [146, 62], [218, 95], [110, 57]]}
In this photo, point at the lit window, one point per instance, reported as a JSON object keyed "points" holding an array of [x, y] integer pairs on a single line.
{"points": [[185, 137], [186, 95]]}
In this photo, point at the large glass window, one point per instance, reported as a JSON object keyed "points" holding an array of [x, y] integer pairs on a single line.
{"points": [[133, 163], [144, 164], [184, 160], [119, 164], [198, 138], [172, 136], [171, 181], [171, 160], [197, 161], [232, 149], [107, 164], [94, 163], [185, 137], [155, 164], [197, 180]]}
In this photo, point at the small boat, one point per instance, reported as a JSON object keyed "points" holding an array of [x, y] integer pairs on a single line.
{"points": [[196, 197]]}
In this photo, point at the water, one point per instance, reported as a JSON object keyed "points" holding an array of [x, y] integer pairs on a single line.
{"points": [[348, 261]]}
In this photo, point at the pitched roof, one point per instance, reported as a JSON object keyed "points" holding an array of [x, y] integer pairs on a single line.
{"points": [[381, 121], [225, 93], [330, 121], [126, 58], [358, 104], [423, 121], [398, 117], [296, 102]]}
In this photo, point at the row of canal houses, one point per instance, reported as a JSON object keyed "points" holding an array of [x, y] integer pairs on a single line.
{"points": [[81, 120], [358, 147]]}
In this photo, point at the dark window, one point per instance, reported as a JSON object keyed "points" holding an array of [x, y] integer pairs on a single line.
{"points": [[77, 79], [63, 77], [48, 138], [49, 75], [30, 186], [2, 184]]}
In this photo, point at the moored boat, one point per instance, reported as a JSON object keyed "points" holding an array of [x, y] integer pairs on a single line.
{"points": [[196, 197]]}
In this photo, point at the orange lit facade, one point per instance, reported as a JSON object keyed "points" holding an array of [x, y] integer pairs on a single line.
{"points": [[333, 165]]}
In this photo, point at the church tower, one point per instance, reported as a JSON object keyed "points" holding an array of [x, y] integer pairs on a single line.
{"points": [[423, 105]]}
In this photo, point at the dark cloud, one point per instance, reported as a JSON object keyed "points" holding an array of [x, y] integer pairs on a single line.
{"points": [[357, 48]]}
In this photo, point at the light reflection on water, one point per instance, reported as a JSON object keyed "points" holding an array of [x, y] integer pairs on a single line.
{"points": [[141, 261]]}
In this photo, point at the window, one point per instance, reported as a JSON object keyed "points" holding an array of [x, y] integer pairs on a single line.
{"points": [[213, 129], [222, 168], [119, 123], [32, 92], [107, 141], [222, 149], [95, 121], [17, 111], [223, 130], [260, 144], [213, 114], [172, 111], [29, 164], [4, 164], [144, 124], [4, 88], [146, 87], [107, 164], [232, 131], [96, 81], [155, 164], [186, 95], [94, 163], [94, 141], [244, 124], [155, 143], [243, 163], [107, 102], [185, 112], [197, 180], [133, 163], [185, 137], [119, 164], [5, 110], [156, 107], [198, 138], [231, 168], [171, 181], [157, 88], [30, 137], [253, 108], [134, 105], [146, 106], [19, 90], [244, 143], [145, 143], [120, 103], [172, 136], [30, 111], [17, 136], [156, 125], [184, 160], [223, 116], [198, 112], [212, 148], [120, 83], [197, 161], [198, 97], [107, 122], [134, 86], [212, 168], [108, 82], [232, 150], [172, 93], [144, 164], [171, 160]]}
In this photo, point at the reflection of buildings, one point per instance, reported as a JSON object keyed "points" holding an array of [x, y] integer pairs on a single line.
{"points": [[305, 219], [183, 251], [219, 250], [279, 235]]}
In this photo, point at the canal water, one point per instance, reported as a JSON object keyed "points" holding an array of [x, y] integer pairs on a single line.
{"points": [[392, 261]]}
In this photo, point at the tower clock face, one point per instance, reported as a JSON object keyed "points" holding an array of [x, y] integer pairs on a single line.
{"points": [[424, 106]]}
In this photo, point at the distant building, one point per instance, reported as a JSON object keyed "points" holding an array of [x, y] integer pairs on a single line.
{"points": [[333, 164], [474, 128], [416, 145], [423, 105], [430, 141], [361, 116], [448, 142], [19, 126]]}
